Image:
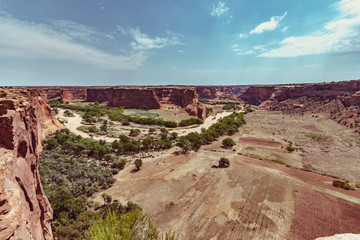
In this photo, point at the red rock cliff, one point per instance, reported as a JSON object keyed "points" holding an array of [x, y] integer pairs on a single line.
{"points": [[25, 119], [339, 101], [186, 98], [65, 94], [220, 91], [127, 97]]}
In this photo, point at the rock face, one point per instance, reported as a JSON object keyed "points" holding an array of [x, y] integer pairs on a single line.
{"points": [[339, 101], [149, 98], [186, 98], [25, 119], [126, 97], [138, 96], [220, 91], [64, 94]]}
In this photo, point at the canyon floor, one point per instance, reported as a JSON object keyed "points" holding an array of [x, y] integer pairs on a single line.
{"points": [[252, 198]]}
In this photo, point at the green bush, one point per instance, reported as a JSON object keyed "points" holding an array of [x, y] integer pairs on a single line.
{"points": [[190, 121], [67, 113], [138, 163], [228, 142], [341, 184], [224, 162]]}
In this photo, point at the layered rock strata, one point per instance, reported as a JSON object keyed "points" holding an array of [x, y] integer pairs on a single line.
{"points": [[339, 101], [132, 97], [25, 119], [220, 91], [186, 98]]}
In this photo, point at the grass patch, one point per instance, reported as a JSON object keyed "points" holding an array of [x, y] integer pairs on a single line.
{"points": [[318, 137]]}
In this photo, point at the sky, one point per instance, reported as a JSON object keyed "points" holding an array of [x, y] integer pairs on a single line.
{"points": [[178, 42]]}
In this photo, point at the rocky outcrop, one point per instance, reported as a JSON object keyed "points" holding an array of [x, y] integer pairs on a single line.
{"points": [[134, 97], [149, 98], [186, 98], [64, 94], [220, 91], [339, 101], [256, 95], [126, 97], [25, 119]]}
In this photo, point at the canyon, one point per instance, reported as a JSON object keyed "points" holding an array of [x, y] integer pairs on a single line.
{"points": [[220, 91], [25, 120], [131, 97], [339, 101]]}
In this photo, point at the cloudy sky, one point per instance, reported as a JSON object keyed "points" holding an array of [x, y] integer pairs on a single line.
{"points": [[139, 42]]}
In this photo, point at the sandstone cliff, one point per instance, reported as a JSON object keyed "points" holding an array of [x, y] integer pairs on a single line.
{"points": [[186, 98], [220, 91], [64, 94], [134, 97], [339, 101], [25, 119], [126, 97]]}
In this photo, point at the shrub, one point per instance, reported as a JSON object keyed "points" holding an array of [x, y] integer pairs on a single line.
{"points": [[341, 184], [229, 106], [138, 163], [224, 162], [228, 142], [119, 164], [134, 132], [190, 121], [107, 198], [67, 113], [290, 148]]}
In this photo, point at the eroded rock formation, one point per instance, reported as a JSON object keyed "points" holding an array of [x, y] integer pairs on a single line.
{"points": [[25, 119], [134, 97], [126, 97], [186, 98], [64, 94], [220, 91], [339, 101]]}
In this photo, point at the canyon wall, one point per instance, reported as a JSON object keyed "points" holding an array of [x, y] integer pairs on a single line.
{"points": [[126, 97], [64, 94], [187, 98], [220, 91], [135, 97], [339, 101], [25, 119]]}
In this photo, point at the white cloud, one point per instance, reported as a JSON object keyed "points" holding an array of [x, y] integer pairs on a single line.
{"points": [[22, 39], [219, 10], [284, 29], [235, 46], [101, 6], [248, 52], [142, 41], [268, 26], [243, 35], [253, 51], [339, 35], [79, 31]]}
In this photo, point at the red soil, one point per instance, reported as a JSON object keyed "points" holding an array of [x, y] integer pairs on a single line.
{"points": [[259, 141], [319, 215]]}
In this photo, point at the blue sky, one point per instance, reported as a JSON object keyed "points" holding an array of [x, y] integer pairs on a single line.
{"points": [[184, 42]]}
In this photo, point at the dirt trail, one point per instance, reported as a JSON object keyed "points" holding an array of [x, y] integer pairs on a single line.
{"points": [[74, 122], [207, 123]]}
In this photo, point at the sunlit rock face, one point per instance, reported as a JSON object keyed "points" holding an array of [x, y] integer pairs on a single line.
{"points": [[25, 119], [339, 101]]}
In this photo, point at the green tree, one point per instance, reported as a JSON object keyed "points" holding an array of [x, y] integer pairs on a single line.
{"points": [[228, 142], [138, 163], [224, 162]]}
